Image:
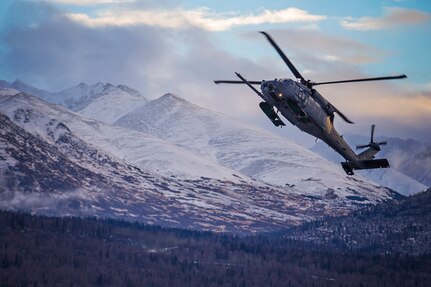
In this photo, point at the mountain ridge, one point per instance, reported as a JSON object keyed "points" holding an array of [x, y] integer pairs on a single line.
{"points": [[117, 100], [143, 150], [238, 204], [43, 179], [247, 149], [404, 176]]}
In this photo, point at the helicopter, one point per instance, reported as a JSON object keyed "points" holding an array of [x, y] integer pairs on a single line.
{"points": [[304, 107]]}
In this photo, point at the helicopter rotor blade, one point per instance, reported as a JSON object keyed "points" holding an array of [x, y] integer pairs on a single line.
{"points": [[362, 146], [325, 104], [362, 80], [372, 132], [346, 119], [249, 85], [283, 56], [237, 82]]}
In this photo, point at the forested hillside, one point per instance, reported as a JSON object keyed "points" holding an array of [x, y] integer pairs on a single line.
{"points": [[397, 227], [43, 251]]}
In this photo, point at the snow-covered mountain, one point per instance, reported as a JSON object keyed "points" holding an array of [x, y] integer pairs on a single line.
{"points": [[410, 160], [104, 102], [48, 166], [410, 157], [142, 150], [410, 170], [241, 147], [23, 87], [69, 177]]}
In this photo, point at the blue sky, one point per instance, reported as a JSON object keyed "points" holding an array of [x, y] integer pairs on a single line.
{"points": [[181, 46]]}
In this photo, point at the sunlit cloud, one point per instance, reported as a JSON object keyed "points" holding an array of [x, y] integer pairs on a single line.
{"points": [[202, 18], [409, 108], [382, 101], [392, 17], [331, 58]]}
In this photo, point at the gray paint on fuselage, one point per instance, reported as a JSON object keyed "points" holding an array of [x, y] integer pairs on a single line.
{"points": [[294, 101]]}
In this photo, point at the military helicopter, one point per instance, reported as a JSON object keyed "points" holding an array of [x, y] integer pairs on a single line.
{"points": [[304, 107]]}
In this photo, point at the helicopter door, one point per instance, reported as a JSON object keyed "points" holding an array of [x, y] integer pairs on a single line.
{"points": [[302, 98]]}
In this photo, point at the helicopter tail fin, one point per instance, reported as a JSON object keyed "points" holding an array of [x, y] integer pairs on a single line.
{"points": [[349, 166], [373, 147]]}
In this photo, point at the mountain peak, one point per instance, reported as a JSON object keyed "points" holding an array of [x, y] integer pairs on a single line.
{"points": [[172, 100], [25, 88], [129, 90], [170, 96], [19, 82]]}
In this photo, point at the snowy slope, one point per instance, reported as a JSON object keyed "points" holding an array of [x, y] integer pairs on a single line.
{"points": [[23, 87], [244, 148], [399, 153], [142, 150], [104, 102], [112, 103], [69, 177], [394, 180]]}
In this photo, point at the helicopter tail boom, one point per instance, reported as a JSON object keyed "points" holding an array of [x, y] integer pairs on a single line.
{"points": [[365, 160]]}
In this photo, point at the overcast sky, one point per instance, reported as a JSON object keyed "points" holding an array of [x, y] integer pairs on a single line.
{"points": [[182, 46]]}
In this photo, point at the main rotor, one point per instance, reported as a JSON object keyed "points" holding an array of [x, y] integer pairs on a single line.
{"points": [[309, 83], [300, 78]]}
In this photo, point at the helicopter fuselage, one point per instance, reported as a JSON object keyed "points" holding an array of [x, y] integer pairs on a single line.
{"points": [[295, 102]]}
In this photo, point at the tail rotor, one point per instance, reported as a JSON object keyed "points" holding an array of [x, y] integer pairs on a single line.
{"points": [[372, 143]]}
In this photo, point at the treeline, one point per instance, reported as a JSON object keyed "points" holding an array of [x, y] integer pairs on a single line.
{"points": [[398, 227], [45, 251]]}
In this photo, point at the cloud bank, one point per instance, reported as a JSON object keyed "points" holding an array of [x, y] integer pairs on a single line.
{"points": [[201, 18], [393, 17]]}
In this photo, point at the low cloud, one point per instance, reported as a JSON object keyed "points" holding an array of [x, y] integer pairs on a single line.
{"points": [[392, 17], [73, 202]]}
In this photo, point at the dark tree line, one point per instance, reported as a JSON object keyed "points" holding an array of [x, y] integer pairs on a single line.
{"points": [[398, 227], [46, 251]]}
